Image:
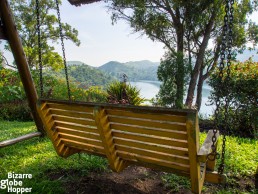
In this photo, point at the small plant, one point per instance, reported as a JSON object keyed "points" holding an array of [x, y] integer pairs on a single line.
{"points": [[123, 93], [175, 183]]}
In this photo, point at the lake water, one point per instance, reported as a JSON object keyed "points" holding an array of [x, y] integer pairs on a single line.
{"points": [[149, 89]]}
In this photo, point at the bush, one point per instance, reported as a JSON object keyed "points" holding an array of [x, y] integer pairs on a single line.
{"points": [[56, 88], [242, 93], [11, 88], [123, 93], [15, 111]]}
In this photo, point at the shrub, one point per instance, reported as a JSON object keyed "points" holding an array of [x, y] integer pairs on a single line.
{"points": [[11, 88], [123, 93], [243, 95], [15, 111], [56, 88]]}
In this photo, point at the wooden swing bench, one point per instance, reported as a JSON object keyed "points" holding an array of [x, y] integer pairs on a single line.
{"points": [[158, 138]]}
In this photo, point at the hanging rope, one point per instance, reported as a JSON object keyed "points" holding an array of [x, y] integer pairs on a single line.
{"points": [[226, 49], [39, 50], [63, 49]]}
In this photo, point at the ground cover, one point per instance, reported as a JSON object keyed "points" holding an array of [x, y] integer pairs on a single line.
{"points": [[90, 174]]}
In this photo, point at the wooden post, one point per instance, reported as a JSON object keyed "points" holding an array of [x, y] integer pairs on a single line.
{"points": [[19, 139], [193, 147], [16, 46]]}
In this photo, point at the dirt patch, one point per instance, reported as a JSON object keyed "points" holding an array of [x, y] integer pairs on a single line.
{"points": [[132, 180]]}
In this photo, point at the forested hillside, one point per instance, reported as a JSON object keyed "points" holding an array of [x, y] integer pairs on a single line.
{"points": [[85, 75], [135, 70]]}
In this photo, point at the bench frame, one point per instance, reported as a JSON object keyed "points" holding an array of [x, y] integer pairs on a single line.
{"points": [[201, 169]]}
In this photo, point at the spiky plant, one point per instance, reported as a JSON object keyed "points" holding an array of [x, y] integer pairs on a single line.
{"points": [[123, 93]]}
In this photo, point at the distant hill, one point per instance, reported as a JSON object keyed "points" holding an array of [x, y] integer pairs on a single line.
{"points": [[84, 75], [135, 70], [69, 63]]}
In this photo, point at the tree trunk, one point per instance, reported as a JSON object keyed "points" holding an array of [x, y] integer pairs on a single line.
{"points": [[198, 102], [199, 61], [180, 68], [203, 77]]}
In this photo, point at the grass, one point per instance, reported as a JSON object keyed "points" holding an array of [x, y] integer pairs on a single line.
{"points": [[37, 157], [241, 161]]}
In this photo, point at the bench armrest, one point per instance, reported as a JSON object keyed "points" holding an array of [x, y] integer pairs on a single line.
{"points": [[205, 150]]}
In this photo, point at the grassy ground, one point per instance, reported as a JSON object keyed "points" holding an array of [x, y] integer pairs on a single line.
{"points": [[37, 157]]}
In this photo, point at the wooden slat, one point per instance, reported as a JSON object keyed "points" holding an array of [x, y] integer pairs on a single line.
{"points": [[43, 106], [153, 154], [61, 148], [151, 139], [116, 163], [150, 131], [49, 125], [48, 118], [83, 146], [147, 123], [80, 139], [74, 120], [76, 127], [71, 107], [144, 159], [71, 113], [144, 115], [152, 147], [215, 177], [160, 168], [93, 136], [141, 109]]}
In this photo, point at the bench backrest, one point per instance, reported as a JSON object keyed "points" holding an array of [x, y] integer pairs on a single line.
{"points": [[155, 137]]}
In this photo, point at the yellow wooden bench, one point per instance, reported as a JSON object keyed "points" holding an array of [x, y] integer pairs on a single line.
{"points": [[158, 138]]}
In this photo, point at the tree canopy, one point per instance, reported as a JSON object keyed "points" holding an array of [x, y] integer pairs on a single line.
{"points": [[188, 28], [26, 20]]}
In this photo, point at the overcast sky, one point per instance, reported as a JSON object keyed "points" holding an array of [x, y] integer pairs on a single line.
{"points": [[101, 41]]}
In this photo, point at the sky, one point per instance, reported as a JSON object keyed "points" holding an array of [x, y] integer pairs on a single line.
{"points": [[101, 41]]}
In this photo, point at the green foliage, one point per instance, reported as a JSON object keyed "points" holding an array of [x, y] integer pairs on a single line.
{"points": [[87, 76], [1, 60], [242, 92], [38, 157], [123, 93], [55, 87], [135, 70], [10, 86], [172, 88], [182, 29], [15, 111], [25, 19], [240, 161], [12, 95], [175, 183]]}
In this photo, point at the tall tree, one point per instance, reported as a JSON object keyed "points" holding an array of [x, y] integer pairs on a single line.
{"points": [[187, 28], [26, 21]]}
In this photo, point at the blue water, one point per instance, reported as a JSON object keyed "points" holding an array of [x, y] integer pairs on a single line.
{"points": [[149, 89]]}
